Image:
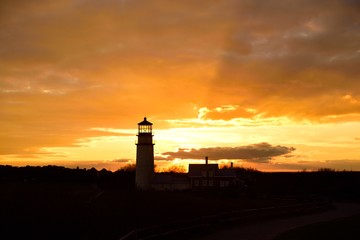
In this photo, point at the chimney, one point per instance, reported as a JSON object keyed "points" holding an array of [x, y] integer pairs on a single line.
{"points": [[206, 160], [231, 164]]}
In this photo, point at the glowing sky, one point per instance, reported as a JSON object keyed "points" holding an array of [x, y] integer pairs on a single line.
{"points": [[273, 84]]}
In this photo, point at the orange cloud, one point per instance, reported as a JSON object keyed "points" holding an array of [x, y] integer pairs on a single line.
{"points": [[69, 66], [295, 66], [261, 152]]}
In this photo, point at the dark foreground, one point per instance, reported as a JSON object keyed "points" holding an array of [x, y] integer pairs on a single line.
{"points": [[344, 227], [58, 203], [339, 222], [83, 211]]}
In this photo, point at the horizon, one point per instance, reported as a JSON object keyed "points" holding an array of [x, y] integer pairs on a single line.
{"points": [[180, 169], [266, 85]]}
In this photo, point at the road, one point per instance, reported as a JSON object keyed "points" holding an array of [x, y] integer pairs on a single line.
{"points": [[268, 230]]}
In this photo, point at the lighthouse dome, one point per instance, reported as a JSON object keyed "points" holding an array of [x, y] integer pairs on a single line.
{"points": [[145, 122]]}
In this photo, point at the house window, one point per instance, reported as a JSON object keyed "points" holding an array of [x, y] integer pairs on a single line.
{"points": [[196, 182], [222, 183], [211, 183], [203, 173], [204, 183], [211, 173]]}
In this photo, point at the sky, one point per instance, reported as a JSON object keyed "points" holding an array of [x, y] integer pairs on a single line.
{"points": [[272, 85]]}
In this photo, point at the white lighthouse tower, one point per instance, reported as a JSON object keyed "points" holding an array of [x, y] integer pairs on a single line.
{"points": [[144, 155]]}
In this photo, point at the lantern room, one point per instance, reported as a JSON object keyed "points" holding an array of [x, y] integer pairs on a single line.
{"points": [[145, 127]]}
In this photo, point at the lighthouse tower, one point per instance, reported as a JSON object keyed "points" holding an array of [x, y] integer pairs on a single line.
{"points": [[144, 155]]}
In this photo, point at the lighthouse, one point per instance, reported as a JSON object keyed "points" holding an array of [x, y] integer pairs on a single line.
{"points": [[144, 155]]}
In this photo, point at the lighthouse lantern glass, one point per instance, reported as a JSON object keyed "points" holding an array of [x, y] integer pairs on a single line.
{"points": [[145, 128]]}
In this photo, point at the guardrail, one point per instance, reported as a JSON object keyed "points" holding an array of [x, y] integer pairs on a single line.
{"points": [[240, 216]]}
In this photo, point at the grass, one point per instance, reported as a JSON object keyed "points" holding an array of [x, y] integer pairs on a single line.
{"points": [[343, 228], [63, 210]]}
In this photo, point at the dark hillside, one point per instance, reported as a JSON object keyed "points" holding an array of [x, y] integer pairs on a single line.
{"points": [[59, 203]]}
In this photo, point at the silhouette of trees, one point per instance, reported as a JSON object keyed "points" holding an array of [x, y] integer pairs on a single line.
{"points": [[174, 169], [122, 179], [49, 173], [131, 167], [326, 170]]}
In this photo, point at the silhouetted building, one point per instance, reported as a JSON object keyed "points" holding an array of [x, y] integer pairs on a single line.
{"points": [[205, 176], [144, 155]]}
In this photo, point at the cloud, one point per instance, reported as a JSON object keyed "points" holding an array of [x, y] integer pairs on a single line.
{"points": [[300, 63], [68, 66], [261, 152], [30, 142], [74, 65], [122, 160], [226, 112], [162, 158], [295, 59], [313, 165]]}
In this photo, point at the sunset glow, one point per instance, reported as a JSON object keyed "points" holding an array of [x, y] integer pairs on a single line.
{"points": [[265, 84]]}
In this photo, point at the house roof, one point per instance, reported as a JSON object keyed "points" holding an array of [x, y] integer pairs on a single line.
{"points": [[196, 169]]}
